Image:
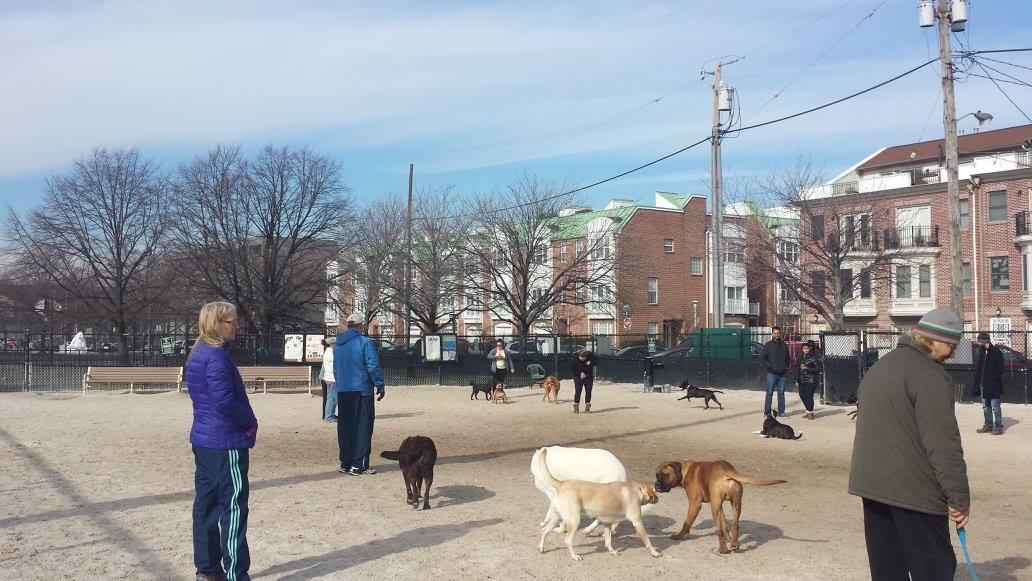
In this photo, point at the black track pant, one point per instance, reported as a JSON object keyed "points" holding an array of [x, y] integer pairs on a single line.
{"points": [[902, 541], [584, 384]]}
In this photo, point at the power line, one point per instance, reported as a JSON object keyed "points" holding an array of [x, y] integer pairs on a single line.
{"points": [[985, 58], [1002, 91], [1013, 79], [928, 119], [788, 34], [1022, 83], [816, 60]]}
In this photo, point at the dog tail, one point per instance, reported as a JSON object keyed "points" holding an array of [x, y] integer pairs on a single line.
{"points": [[753, 481], [799, 436], [716, 391], [543, 466], [395, 455]]}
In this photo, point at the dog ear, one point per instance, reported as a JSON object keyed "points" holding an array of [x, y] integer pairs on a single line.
{"points": [[676, 466]]}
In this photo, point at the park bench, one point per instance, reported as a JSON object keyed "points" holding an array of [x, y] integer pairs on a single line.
{"points": [[281, 374], [537, 374], [133, 376]]}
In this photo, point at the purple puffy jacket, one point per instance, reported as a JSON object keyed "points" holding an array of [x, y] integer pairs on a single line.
{"points": [[222, 415]]}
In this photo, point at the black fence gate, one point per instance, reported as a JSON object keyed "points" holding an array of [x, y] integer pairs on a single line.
{"points": [[843, 365]]}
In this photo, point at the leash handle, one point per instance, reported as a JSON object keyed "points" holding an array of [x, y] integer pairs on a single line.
{"points": [[962, 535]]}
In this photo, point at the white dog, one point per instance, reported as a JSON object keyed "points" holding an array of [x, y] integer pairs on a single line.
{"points": [[588, 464]]}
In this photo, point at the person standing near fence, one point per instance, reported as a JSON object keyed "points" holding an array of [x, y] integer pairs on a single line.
{"points": [[329, 397], [908, 462], [775, 359], [583, 368], [501, 363], [808, 377], [989, 384], [356, 369], [223, 432]]}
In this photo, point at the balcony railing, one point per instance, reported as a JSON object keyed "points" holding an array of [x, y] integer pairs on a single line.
{"points": [[860, 241], [741, 307], [842, 188], [912, 237], [1022, 226]]}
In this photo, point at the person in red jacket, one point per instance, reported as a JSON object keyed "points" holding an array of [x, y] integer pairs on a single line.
{"points": [[222, 434]]}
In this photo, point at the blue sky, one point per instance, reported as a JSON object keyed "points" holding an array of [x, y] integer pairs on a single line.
{"points": [[474, 92]]}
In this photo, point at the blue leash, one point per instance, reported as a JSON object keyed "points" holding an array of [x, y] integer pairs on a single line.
{"points": [[962, 535]]}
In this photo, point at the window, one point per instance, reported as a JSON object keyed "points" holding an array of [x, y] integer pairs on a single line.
{"points": [[668, 245], [865, 284], [903, 282], [733, 254], [541, 253], [602, 327], [856, 230], [735, 293], [653, 289], [562, 252], [579, 248], [535, 294], [499, 259], [999, 269], [786, 294], [653, 328], [788, 251], [818, 283], [1024, 272], [471, 301], [997, 206], [965, 279], [697, 266], [965, 213], [924, 281], [846, 283], [817, 227]]}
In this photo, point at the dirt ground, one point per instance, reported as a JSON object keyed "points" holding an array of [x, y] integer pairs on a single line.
{"points": [[101, 487]]}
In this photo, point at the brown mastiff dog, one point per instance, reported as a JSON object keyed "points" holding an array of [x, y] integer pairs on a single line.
{"points": [[712, 482]]}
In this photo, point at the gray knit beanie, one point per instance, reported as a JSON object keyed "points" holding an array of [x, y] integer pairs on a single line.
{"points": [[940, 325]]}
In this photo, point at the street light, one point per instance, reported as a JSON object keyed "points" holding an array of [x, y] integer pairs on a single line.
{"points": [[983, 118], [998, 313]]}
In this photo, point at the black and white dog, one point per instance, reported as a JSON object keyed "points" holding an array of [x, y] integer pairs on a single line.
{"points": [[693, 391], [775, 429]]}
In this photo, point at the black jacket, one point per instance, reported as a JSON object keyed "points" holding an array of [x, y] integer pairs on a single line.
{"points": [[989, 373], [775, 357], [808, 369], [577, 366]]}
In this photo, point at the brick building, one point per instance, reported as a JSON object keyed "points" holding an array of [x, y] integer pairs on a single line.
{"points": [[895, 203]]}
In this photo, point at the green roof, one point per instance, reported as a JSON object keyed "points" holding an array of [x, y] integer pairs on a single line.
{"points": [[676, 199], [576, 225]]}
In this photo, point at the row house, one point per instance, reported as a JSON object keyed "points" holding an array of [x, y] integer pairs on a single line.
{"points": [[893, 205]]}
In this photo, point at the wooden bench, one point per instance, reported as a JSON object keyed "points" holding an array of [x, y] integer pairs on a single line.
{"points": [[133, 376], [281, 374]]}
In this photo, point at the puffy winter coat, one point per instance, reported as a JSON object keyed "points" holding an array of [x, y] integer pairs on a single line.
{"points": [[356, 366], [222, 415]]}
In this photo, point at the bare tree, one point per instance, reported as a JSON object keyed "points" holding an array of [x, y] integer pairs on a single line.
{"points": [[97, 234], [260, 233], [834, 256], [372, 261], [510, 258]]}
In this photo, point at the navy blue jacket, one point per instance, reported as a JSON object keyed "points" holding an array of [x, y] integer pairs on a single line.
{"points": [[989, 373], [222, 415], [356, 366]]}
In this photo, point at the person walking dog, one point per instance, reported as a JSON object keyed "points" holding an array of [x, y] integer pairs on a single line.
{"points": [[223, 432], [583, 368], [989, 384], [775, 359], [808, 377], [356, 369], [501, 363], [908, 462]]}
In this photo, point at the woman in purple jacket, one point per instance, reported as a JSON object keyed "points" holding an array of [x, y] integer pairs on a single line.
{"points": [[222, 434]]}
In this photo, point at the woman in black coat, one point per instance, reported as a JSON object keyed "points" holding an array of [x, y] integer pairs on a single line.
{"points": [[808, 377], [583, 368]]}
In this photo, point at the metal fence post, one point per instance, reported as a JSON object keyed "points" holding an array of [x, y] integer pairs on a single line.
{"points": [[25, 374]]}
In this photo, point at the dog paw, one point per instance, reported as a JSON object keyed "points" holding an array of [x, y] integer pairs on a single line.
{"points": [[677, 537], [578, 558], [723, 551], [655, 553]]}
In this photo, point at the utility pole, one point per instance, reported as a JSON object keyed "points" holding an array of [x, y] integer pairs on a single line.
{"points": [[717, 205], [408, 260], [949, 121]]}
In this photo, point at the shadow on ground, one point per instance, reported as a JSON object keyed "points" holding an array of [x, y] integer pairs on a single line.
{"points": [[457, 494], [355, 555], [997, 569]]}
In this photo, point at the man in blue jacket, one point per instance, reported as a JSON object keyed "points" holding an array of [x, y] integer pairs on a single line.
{"points": [[356, 368]]}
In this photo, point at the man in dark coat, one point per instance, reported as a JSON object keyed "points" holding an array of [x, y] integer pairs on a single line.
{"points": [[989, 384], [774, 358]]}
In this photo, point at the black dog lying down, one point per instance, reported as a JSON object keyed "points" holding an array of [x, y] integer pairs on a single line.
{"points": [[693, 391], [417, 456], [853, 402], [481, 387], [775, 429]]}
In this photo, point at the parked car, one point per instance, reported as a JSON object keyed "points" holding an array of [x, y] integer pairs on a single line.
{"points": [[679, 353], [1012, 360], [528, 347], [635, 352]]}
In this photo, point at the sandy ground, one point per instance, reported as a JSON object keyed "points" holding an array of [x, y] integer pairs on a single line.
{"points": [[101, 487]]}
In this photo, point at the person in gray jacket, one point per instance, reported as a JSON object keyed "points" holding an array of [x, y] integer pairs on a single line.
{"points": [[501, 363], [908, 462]]}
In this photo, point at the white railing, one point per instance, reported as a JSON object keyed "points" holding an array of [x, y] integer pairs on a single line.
{"points": [[737, 306]]}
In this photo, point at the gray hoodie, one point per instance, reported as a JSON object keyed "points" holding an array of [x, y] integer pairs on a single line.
{"points": [[907, 449]]}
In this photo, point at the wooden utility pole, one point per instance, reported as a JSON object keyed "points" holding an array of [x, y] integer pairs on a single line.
{"points": [[718, 206], [408, 260], [949, 120]]}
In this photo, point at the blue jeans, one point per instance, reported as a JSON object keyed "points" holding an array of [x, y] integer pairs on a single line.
{"points": [[331, 402], [991, 407], [775, 381]]}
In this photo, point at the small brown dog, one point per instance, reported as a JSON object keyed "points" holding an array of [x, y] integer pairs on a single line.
{"points": [[551, 385], [499, 393], [417, 456], [712, 482]]}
